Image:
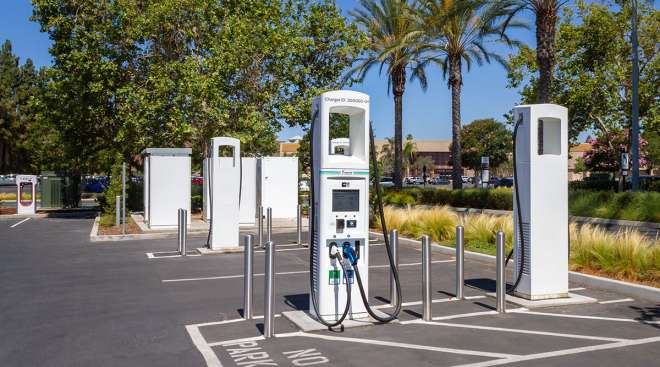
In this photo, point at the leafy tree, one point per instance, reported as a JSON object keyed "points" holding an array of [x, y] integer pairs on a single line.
{"points": [[485, 138], [605, 152], [460, 32], [593, 73], [132, 74], [17, 85], [393, 35], [546, 13]]}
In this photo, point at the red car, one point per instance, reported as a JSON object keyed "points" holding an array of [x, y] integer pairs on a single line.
{"points": [[197, 180]]}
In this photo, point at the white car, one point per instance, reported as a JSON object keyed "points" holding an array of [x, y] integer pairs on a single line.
{"points": [[386, 182], [303, 186]]}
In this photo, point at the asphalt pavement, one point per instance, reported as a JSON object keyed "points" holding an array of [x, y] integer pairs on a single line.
{"points": [[69, 302]]}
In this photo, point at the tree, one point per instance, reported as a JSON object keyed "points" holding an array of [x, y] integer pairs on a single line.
{"points": [[546, 13], [17, 85], [133, 74], [409, 153], [485, 138], [393, 36], [593, 73], [422, 161], [459, 32], [606, 152]]}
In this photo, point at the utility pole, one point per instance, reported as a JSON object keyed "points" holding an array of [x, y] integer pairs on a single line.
{"points": [[634, 135]]}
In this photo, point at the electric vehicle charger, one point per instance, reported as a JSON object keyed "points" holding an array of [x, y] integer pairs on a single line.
{"points": [[347, 252], [240, 190]]}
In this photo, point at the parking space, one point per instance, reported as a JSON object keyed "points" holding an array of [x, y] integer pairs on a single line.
{"points": [[67, 301]]}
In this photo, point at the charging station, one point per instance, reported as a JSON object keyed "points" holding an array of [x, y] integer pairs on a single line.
{"points": [[26, 194], [224, 188], [341, 200], [541, 201], [166, 185]]}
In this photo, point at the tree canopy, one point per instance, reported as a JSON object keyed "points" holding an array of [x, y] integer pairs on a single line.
{"points": [[129, 74], [485, 138], [593, 72]]}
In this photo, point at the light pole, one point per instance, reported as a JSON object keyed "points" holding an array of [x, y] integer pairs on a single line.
{"points": [[634, 143]]}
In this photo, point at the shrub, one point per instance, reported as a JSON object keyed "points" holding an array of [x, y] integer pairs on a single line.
{"points": [[638, 206], [624, 255]]}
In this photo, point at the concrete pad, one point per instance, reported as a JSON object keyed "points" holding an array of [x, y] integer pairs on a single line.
{"points": [[572, 299], [305, 322], [220, 251]]}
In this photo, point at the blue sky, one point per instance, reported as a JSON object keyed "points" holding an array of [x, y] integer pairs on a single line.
{"points": [[427, 115]]}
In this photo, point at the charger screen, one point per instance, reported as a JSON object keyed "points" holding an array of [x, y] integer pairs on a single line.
{"points": [[345, 200]]}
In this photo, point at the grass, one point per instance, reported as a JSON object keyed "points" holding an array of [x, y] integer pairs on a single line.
{"points": [[637, 206], [625, 255]]}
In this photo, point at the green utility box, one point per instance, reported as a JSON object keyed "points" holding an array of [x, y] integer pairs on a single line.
{"points": [[59, 190]]}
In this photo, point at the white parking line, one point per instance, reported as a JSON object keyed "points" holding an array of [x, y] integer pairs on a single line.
{"points": [[563, 352], [237, 341], [408, 346], [437, 300], [616, 301], [200, 342], [21, 222], [282, 273], [576, 289], [521, 331], [601, 318]]}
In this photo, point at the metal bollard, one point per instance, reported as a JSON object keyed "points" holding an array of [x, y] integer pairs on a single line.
{"points": [[394, 244], [299, 225], [500, 285], [460, 262], [260, 226], [426, 278], [248, 272], [183, 231], [117, 210], [268, 289], [269, 224]]}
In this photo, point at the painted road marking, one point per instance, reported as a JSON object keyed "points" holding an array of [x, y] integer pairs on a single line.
{"points": [[576, 289], [571, 316], [21, 222], [200, 342], [437, 300], [408, 346], [282, 273], [521, 331], [616, 301], [153, 255], [564, 352]]}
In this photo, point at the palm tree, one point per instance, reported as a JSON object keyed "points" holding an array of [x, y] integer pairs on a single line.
{"points": [[547, 14], [393, 35], [409, 152], [457, 32]]}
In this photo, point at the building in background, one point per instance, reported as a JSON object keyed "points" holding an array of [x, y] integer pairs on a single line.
{"points": [[576, 154]]}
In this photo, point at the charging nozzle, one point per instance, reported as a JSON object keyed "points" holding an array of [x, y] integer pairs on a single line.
{"points": [[334, 251], [349, 253]]}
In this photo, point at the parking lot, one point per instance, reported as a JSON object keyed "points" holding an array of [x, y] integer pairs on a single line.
{"points": [[69, 302]]}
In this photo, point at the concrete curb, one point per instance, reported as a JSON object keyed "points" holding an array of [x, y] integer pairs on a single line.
{"points": [[630, 289]]}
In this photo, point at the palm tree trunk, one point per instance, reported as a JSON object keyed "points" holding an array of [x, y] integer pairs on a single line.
{"points": [[398, 87], [546, 20], [455, 81]]}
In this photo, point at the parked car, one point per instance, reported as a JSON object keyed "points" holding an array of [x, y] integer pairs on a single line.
{"points": [[303, 185], [439, 181], [505, 182], [465, 179], [386, 182], [197, 180]]}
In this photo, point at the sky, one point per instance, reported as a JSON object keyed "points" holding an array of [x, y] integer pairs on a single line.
{"points": [[426, 114]]}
